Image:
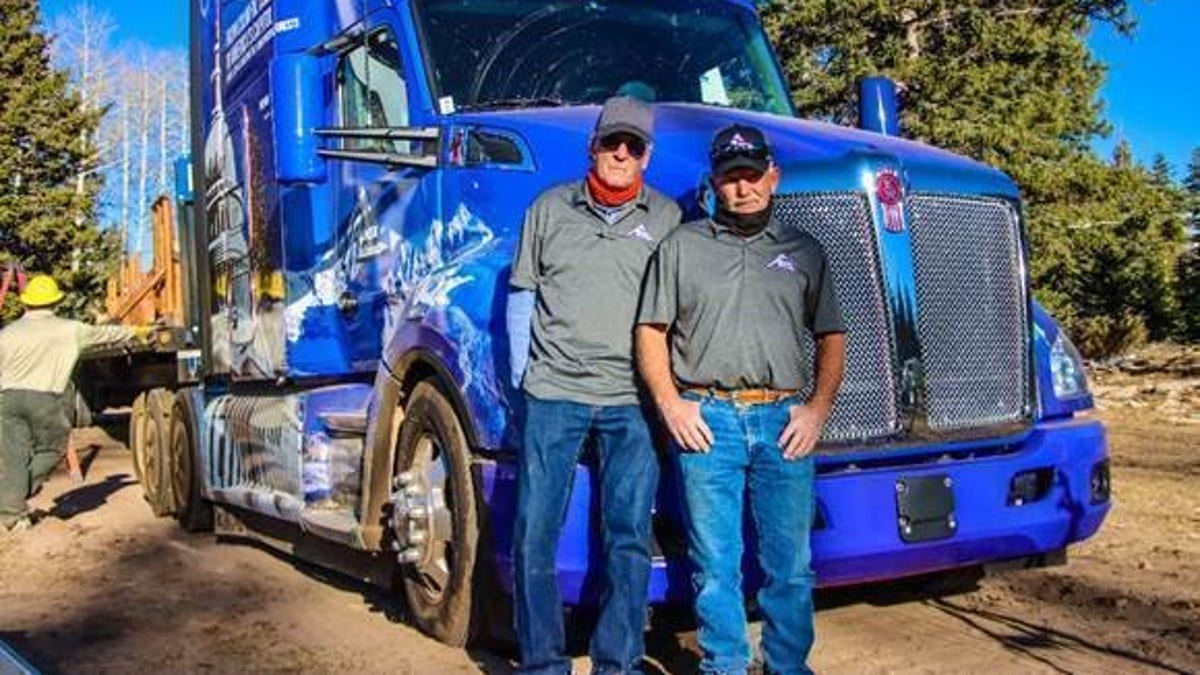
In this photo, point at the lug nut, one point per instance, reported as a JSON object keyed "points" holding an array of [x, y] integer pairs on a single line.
{"points": [[409, 556], [947, 482]]}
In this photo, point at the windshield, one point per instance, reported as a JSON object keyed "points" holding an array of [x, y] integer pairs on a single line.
{"points": [[503, 53]]}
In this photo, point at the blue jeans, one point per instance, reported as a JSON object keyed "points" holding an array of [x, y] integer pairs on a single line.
{"points": [[745, 460], [554, 436]]}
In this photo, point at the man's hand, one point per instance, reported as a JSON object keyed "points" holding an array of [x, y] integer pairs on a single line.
{"points": [[800, 436], [687, 427]]}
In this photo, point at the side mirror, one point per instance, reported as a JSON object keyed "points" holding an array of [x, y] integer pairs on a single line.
{"points": [[296, 92]]}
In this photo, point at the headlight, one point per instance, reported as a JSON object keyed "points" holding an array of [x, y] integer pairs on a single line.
{"points": [[1066, 367]]}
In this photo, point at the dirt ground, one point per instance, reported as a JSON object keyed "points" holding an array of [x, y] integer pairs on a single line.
{"points": [[101, 586]]}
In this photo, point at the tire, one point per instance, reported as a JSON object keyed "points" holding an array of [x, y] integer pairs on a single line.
{"points": [[156, 467], [137, 436], [193, 512], [432, 442]]}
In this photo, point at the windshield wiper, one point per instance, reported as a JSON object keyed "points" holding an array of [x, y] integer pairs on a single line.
{"points": [[515, 103]]}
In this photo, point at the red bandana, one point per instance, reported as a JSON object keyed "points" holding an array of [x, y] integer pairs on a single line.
{"points": [[610, 196]]}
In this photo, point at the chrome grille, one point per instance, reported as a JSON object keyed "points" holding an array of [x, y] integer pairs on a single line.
{"points": [[972, 319], [842, 223]]}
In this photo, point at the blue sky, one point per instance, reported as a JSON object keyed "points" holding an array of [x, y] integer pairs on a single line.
{"points": [[1152, 95]]}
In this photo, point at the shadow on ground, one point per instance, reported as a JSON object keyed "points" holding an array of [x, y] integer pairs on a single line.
{"points": [[88, 497]]}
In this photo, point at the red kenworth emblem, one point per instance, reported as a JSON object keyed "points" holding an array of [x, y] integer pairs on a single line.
{"points": [[890, 192]]}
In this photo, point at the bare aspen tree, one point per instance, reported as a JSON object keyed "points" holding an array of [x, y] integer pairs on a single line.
{"points": [[162, 136], [144, 95], [145, 115], [82, 47], [126, 144]]}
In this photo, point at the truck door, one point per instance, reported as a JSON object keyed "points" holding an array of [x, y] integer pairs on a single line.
{"points": [[373, 199]]}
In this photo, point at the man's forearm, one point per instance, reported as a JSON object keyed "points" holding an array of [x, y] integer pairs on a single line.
{"points": [[654, 364], [518, 315], [830, 366], [97, 335]]}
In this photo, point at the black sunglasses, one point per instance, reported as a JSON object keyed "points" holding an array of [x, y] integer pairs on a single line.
{"points": [[612, 142]]}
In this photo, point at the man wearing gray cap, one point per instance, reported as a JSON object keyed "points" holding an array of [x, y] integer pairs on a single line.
{"points": [[582, 257], [720, 340]]}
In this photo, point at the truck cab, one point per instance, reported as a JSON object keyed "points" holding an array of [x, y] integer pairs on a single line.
{"points": [[362, 168]]}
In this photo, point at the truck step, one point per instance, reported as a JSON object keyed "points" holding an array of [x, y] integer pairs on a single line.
{"points": [[261, 500], [345, 422], [338, 525]]}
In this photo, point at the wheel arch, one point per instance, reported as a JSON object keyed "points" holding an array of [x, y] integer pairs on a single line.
{"points": [[394, 383]]}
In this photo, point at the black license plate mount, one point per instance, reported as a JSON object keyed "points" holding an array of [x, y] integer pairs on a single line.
{"points": [[925, 508]]}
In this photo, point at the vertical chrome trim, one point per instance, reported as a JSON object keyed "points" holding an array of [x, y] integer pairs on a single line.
{"points": [[1018, 213], [899, 279]]}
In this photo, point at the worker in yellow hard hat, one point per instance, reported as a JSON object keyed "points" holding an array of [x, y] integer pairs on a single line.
{"points": [[37, 355]]}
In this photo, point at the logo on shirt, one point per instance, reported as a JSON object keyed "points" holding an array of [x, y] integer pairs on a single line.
{"points": [[782, 262], [640, 232]]}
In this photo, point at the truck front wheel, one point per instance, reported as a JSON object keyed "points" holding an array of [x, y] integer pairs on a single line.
{"points": [[434, 524]]}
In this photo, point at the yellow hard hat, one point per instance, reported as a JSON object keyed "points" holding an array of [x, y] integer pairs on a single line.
{"points": [[41, 291]]}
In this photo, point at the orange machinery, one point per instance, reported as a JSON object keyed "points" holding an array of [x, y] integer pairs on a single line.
{"points": [[137, 297]]}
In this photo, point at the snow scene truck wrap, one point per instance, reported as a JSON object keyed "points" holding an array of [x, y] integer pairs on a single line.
{"points": [[361, 171]]}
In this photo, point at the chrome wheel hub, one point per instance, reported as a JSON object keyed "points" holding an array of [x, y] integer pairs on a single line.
{"points": [[421, 521]]}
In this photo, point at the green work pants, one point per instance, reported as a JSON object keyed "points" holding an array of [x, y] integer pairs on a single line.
{"points": [[33, 437]]}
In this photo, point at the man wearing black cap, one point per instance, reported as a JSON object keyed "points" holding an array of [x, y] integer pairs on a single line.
{"points": [[720, 345], [582, 258]]}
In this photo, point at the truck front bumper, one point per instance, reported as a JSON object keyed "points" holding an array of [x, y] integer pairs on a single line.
{"points": [[859, 535]]}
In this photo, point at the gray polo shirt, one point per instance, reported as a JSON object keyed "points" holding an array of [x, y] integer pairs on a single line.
{"points": [[587, 267], [738, 307]]}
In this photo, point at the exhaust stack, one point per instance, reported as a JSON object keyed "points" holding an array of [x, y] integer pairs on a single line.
{"points": [[877, 106]]}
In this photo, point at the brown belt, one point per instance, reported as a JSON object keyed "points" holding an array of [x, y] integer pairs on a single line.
{"points": [[745, 396]]}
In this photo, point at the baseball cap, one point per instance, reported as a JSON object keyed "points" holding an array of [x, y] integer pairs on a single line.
{"points": [[739, 146], [628, 115]]}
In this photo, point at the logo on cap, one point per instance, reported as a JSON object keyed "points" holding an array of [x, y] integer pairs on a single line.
{"points": [[739, 144], [782, 262]]}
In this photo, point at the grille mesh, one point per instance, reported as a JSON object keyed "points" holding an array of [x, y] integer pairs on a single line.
{"points": [[972, 318], [841, 222]]}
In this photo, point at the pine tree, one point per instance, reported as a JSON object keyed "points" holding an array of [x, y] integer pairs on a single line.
{"points": [[1189, 264], [47, 224], [1122, 157], [1160, 170], [1191, 182]]}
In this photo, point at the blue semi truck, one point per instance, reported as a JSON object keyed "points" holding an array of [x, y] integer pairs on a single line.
{"points": [[360, 173]]}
